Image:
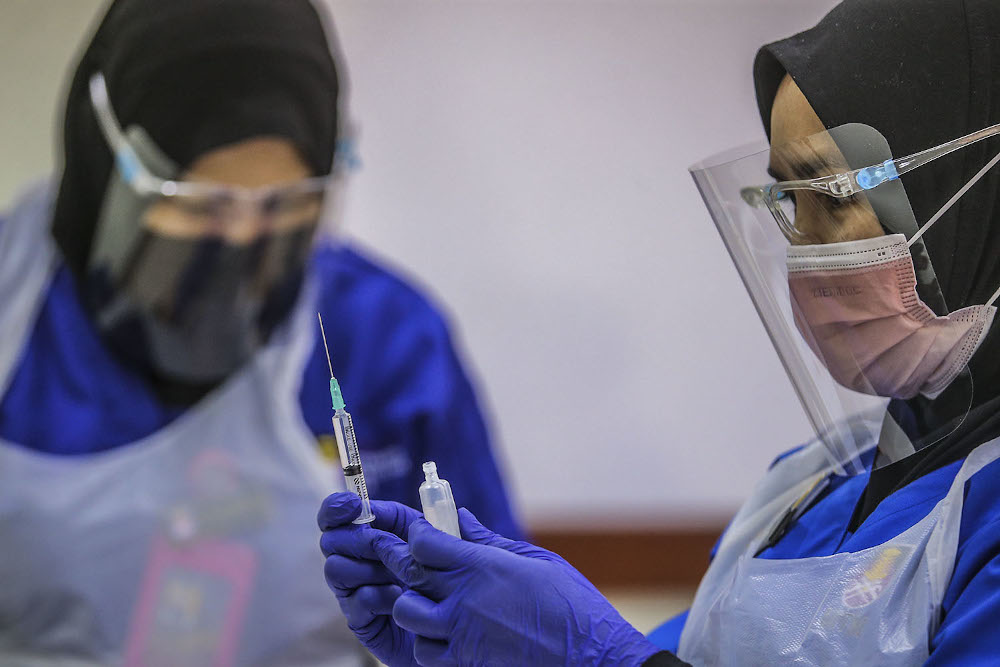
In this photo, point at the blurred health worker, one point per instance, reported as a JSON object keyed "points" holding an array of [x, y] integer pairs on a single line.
{"points": [[164, 399], [868, 235]]}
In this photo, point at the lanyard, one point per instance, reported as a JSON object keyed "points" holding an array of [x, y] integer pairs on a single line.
{"points": [[798, 508]]}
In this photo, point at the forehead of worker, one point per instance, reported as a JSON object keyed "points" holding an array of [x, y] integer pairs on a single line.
{"points": [[253, 162], [801, 148]]}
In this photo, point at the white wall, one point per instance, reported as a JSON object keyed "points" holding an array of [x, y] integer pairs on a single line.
{"points": [[527, 160], [38, 39]]}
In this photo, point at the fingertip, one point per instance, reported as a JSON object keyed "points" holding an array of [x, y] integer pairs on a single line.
{"points": [[379, 539], [419, 614], [416, 527], [325, 545], [338, 509], [366, 603], [378, 600], [393, 517], [411, 597], [472, 530], [468, 519], [387, 547], [422, 536], [421, 529], [437, 549], [330, 575], [430, 652]]}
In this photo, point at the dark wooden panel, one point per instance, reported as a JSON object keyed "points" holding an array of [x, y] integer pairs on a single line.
{"points": [[669, 557]]}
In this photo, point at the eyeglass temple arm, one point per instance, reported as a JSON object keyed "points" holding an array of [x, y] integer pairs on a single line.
{"points": [[128, 162], [867, 178], [911, 162], [873, 176]]}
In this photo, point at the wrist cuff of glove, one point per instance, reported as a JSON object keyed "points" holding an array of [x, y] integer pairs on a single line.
{"points": [[665, 659], [630, 647]]}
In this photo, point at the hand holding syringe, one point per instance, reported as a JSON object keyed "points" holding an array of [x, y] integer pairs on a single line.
{"points": [[347, 443], [435, 493]]}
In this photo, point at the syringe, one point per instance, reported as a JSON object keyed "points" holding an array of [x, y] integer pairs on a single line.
{"points": [[347, 443]]}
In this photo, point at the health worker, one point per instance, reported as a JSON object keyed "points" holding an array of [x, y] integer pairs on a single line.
{"points": [[164, 397], [868, 234]]}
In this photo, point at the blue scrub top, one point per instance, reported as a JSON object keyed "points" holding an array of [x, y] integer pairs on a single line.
{"points": [[405, 387], [968, 633]]}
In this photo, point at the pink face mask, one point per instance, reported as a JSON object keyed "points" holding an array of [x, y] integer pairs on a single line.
{"points": [[857, 307]]}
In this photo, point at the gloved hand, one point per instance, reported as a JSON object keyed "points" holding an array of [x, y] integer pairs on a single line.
{"points": [[365, 589], [494, 601]]}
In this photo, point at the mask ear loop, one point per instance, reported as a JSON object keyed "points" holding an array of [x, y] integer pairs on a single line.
{"points": [[994, 297], [951, 202]]}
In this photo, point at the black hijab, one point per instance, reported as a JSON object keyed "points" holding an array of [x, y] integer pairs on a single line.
{"points": [[196, 75], [921, 72]]}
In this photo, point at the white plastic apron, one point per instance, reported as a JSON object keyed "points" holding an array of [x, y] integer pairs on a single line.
{"points": [[879, 606], [194, 546]]}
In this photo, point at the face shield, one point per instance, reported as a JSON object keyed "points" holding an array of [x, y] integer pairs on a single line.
{"points": [[190, 278], [823, 236]]}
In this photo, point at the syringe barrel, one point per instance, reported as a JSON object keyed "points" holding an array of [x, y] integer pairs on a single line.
{"points": [[350, 458]]}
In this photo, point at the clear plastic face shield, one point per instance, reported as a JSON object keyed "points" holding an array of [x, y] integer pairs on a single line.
{"points": [[195, 275], [186, 209], [823, 236]]}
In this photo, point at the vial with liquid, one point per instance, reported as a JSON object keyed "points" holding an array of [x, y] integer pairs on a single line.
{"points": [[437, 501]]}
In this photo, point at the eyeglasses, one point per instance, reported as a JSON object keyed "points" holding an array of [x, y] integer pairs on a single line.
{"points": [[844, 185], [199, 208]]}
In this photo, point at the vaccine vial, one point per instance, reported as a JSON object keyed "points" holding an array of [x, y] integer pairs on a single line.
{"points": [[437, 501]]}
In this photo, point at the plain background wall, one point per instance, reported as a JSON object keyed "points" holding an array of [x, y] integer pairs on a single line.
{"points": [[526, 161]]}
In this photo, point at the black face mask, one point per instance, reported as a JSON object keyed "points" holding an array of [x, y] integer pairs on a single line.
{"points": [[189, 310], [194, 311]]}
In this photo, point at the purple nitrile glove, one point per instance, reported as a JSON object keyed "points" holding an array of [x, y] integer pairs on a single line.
{"points": [[494, 601], [365, 589]]}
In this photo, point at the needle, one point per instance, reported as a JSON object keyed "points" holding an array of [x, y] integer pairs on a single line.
{"points": [[325, 346]]}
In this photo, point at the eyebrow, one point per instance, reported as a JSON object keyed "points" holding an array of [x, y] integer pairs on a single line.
{"points": [[805, 169]]}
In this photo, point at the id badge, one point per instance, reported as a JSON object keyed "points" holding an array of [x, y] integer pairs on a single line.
{"points": [[192, 603]]}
